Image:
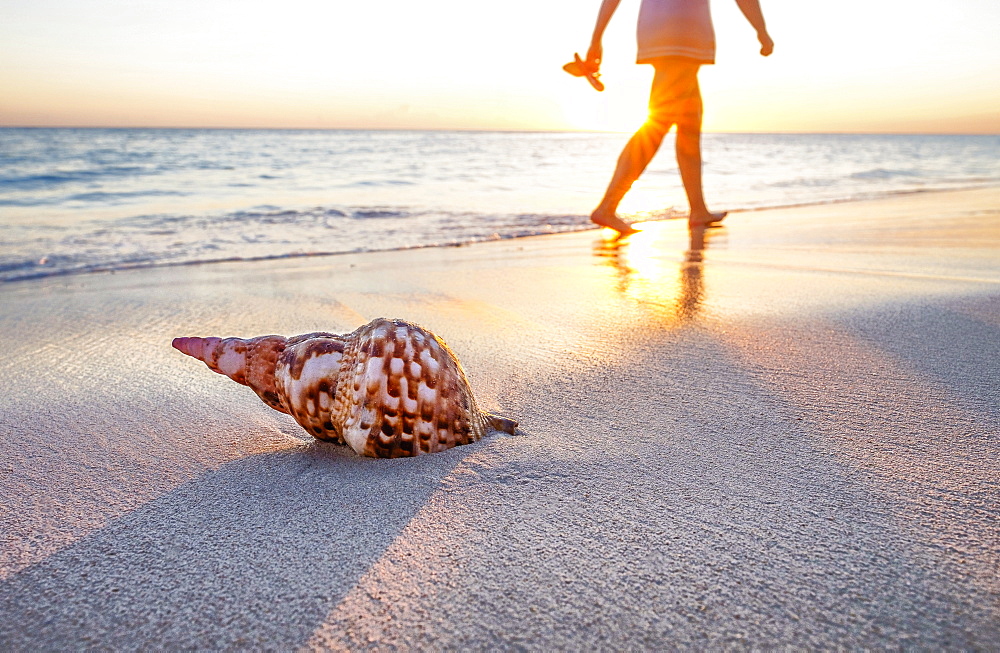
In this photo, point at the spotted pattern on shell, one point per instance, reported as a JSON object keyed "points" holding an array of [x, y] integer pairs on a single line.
{"points": [[388, 389]]}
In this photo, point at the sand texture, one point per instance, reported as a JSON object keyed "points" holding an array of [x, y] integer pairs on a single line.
{"points": [[784, 434]]}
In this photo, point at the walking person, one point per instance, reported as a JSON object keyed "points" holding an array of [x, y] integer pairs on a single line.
{"points": [[677, 38]]}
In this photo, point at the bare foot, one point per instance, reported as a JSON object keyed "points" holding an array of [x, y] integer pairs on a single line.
{"points": [[612, 221], [705, 219]]}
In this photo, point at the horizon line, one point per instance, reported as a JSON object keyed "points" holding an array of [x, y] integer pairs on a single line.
{"points": [[502, 130]]}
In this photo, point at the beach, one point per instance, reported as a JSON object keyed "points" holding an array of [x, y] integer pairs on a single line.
{"points": [[781, 432]]}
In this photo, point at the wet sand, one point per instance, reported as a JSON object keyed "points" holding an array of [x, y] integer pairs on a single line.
{"points": [[782, 434]]}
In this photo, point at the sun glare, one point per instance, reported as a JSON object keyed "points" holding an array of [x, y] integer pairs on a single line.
{"points": [[399, 65]]}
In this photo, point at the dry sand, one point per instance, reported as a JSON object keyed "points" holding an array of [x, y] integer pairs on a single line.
{"points": [[793, 441]]}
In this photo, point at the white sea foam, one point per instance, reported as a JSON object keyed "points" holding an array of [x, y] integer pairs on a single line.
{"points": [[78, 200]]}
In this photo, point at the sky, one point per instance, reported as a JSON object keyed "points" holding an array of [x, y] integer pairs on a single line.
{"points": [[848, 66]]}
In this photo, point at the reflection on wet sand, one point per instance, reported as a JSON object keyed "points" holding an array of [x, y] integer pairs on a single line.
{"points": [[648, 276]]}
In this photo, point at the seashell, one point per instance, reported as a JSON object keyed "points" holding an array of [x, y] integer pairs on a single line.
{"points": [[388, 389]]}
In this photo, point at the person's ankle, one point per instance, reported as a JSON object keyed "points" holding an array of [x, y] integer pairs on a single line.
{"points": [[706, 217]]}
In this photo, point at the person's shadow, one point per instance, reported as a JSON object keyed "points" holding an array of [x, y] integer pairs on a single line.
{"points": [[643, 275]]}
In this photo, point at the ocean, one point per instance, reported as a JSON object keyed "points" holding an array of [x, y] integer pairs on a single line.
{"points": [[82, 200]]}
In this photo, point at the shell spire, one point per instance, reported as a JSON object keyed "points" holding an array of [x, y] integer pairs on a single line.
{"points": [[388, 389], [248, 362]]}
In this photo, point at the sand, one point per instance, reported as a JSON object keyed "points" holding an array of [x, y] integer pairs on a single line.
{"points": [[785, 435]]}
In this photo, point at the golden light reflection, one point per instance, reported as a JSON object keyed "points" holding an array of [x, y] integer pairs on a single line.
{"points": [[654, 271]]}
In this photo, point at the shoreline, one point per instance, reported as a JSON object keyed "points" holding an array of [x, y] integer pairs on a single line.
{"points": [[778, 433], [875, 197]]}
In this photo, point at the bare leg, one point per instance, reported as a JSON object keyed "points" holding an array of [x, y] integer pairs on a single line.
{"points": [[674, 99], [633, 160], [689, 162]]}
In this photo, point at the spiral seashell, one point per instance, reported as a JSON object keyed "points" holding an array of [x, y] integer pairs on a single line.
{"points": [[388, 389]]}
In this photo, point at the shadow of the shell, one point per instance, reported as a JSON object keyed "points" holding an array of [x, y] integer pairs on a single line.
{"points": [[251, 555]]}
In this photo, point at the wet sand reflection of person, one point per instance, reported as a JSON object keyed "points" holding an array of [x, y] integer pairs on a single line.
{"points": [[681, 305]]}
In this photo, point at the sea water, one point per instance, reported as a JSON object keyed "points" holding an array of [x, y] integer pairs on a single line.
{"points": [[81, 200]]}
